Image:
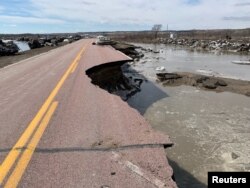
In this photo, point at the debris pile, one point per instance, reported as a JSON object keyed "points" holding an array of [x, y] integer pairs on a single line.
{"points": [[210, 45], [8, 48]]}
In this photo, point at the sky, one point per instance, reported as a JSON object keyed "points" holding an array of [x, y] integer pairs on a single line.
{"points": [[53, 16]]}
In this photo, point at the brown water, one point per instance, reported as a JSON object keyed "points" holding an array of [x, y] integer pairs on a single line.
{"points": [[211, 131], [182, 59]]}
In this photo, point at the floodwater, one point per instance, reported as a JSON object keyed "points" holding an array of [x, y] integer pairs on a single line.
{"points": [[23, 46], [180, 59], [210, 131]]}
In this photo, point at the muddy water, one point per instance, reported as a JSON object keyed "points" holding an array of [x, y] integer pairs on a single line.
{"points": [[211, 131], [183, 59]]}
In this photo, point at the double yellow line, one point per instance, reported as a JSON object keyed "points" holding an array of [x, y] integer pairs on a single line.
{"points": [[43, 117]]}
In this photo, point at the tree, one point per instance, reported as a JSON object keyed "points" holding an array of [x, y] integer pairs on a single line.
{"points": [[156, 29]]}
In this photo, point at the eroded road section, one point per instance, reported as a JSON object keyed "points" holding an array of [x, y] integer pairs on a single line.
{"points": [[57, 129]]}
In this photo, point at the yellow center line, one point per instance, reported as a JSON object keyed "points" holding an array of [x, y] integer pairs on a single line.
{"points": [[74, 68], [77, 62], [15, 151], [22, 164]]}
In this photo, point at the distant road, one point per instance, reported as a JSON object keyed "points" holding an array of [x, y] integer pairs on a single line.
{"points": [[57, 129]]}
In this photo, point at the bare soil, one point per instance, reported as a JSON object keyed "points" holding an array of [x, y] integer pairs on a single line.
{"points": [[217, 84]]}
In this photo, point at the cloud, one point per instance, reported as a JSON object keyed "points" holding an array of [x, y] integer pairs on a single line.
{"points": [[133, 15], [234, 18], [95, 11], [30, 20], [87, 3], [192, 2], [180, 14], [10, 25], [243, 4], [1, 8]]}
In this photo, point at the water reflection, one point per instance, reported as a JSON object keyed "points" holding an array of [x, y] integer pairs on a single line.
{"points": [[184, 60], [209, 129]]}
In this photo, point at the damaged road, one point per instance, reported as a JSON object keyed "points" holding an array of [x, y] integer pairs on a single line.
{"points": [[117, 77], [111, 78], [87, 138]]}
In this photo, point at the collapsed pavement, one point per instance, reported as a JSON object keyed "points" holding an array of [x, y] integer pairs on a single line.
{"points": [[115, 77], [111, 78]]}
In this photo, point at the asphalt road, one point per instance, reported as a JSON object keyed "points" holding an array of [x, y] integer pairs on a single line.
{"points": [[57, 129]]}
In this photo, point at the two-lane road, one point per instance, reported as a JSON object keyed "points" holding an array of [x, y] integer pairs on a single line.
{"points": [[57, 129]]}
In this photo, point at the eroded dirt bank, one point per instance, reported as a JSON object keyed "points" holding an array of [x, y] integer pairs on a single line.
{"points": [[212, 83], [110, 77]]}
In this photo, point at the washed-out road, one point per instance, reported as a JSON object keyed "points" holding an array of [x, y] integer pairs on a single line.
{"points": [[57, 129]]}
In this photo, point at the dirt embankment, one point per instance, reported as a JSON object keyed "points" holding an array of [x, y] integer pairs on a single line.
{"points": [[7, 60], [128, 49], [205, 82]]}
